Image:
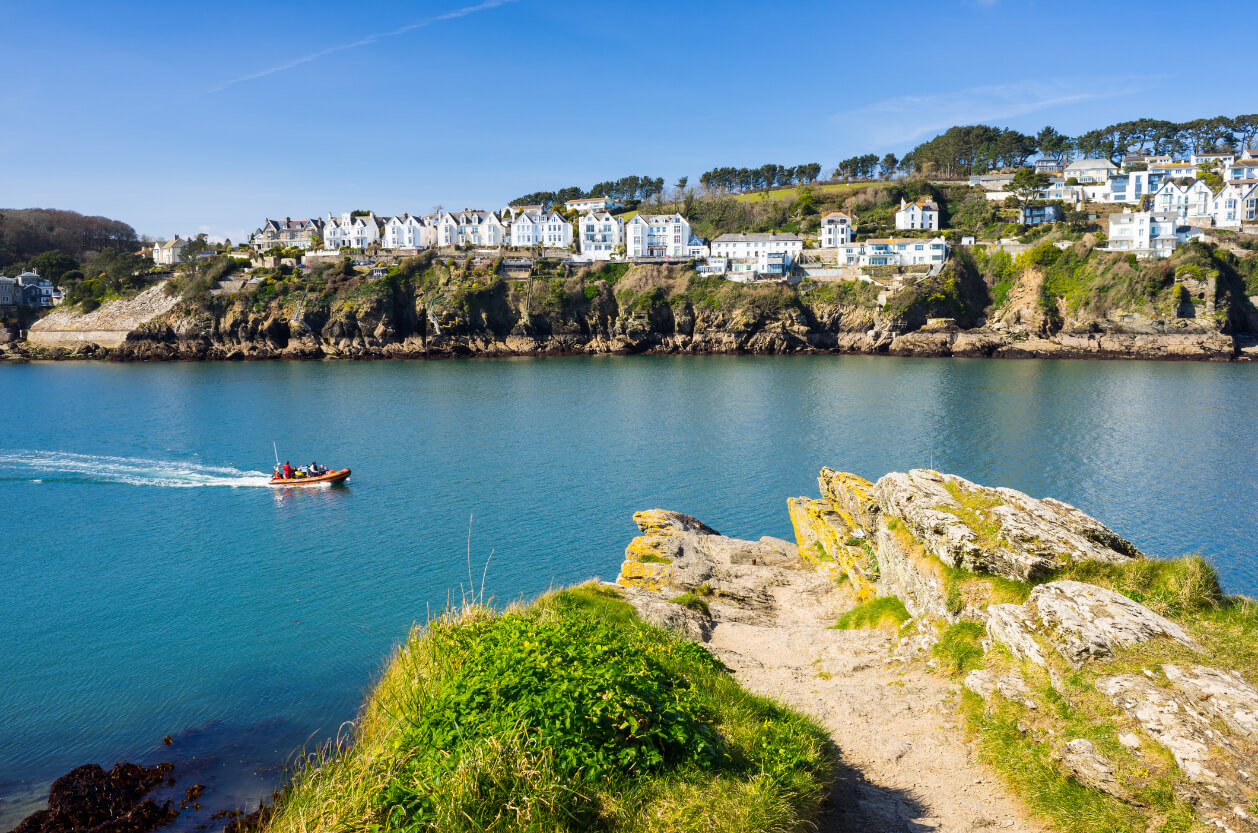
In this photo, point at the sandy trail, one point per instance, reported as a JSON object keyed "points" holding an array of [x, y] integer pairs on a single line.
{"points": [[905, 764]]}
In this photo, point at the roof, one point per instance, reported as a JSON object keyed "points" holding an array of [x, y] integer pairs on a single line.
{"points": [[836, 214], [757, 237], [924, 205], [1087, 164]]}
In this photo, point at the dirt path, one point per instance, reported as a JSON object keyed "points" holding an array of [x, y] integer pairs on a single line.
{"points": [[905, 764]]}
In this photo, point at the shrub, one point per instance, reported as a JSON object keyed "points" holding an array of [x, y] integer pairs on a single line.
{"points": [[569, 714]]}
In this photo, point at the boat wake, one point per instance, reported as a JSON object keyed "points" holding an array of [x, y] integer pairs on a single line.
{"points": [[63, 467]]}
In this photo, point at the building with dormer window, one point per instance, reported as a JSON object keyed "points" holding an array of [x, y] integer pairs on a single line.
{"points": [[836, 230]]}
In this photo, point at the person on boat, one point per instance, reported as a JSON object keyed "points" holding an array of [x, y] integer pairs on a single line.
{"points": [[315, 470], [288, 471]]}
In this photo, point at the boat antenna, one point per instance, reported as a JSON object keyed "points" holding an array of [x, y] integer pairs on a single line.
{"points": [[276, 449]]}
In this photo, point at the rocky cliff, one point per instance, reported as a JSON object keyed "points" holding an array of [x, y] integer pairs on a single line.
{"points": [[1110, 690], [978, 306]]}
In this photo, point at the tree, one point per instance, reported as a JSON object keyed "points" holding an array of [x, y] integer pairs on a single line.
{"points": [[1027, 185], [1053, 144], [52, 264], [193, 247], [681, 183], [889, 165], [809, 171], [1245, 130]]}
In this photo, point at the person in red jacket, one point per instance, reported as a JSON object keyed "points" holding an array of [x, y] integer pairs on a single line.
{"points": [[288, 471]]}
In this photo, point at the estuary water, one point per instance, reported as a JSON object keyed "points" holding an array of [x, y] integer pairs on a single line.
{"points": [[153, 585]]}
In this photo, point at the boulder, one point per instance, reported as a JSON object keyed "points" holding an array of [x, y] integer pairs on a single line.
{"points": [[1014, 627], [677, 553], [997, 531], [1223, 694], [1081, 621], [1086, 622], [1089, 767], [1219, 767]]}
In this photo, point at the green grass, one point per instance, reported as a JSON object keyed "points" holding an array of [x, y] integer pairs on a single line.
{"points": [[1026, 764], [652, 558], [792, 192], [567, 714], [884, 613], [693, 602], [1171, 587], [960, 648]]}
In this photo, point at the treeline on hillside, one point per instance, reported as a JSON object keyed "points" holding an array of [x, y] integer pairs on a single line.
{"points": [[978, 148], [625, 188], [27, 232], [769, 175]]}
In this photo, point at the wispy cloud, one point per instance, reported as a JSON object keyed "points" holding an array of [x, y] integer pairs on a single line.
{"points": [[363, 41], [894, 121]]}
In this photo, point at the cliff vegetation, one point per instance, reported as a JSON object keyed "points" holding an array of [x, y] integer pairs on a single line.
{"points": [[570, 713]]}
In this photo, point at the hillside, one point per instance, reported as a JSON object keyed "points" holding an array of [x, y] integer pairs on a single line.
{"points": [[1047, 301]]}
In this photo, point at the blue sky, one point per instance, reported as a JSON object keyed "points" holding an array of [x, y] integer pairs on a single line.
{"points": [[180, 118]]}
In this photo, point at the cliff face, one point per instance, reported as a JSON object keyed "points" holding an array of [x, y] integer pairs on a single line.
{"points": [[1131, 677], [1066, 304]]}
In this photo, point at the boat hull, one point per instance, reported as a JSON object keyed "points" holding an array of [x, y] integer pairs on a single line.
{"points": [[330, 477]]}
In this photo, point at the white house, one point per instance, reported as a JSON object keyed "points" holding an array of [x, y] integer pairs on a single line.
{"points": [[836, 230], [602, 235], [405, 232], [1189, 202], [698, 248], [1234, 204], [350, 230], [592, 204], [470, 227], [658, 235], [546, 229], [919, 214], [1091, 171], [1148, 233], [1242, 170], [760, 254], [169, 252], [1048, 165], [894, 252], [1213, 159]]}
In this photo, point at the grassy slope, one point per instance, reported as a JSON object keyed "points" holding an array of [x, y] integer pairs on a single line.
{"points": [[567, 714]]}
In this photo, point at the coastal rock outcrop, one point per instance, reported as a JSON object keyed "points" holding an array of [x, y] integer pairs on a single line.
{"points": [[1001, 532], [677, 554], [976, 569]]}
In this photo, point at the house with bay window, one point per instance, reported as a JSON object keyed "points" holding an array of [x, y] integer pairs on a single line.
{"points": [[547, 229], [602, 235], [355, 231], [894, 252], [406, 232], [758, 255], [657, 235]]}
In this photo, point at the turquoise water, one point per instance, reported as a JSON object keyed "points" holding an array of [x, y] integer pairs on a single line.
{"points": [[153, 586]]}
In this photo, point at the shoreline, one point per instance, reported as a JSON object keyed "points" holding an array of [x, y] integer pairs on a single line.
{"points": [[1243, 349]]}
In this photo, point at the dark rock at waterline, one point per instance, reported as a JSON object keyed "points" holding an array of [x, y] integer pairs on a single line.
{"points": [[90, 800]]}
